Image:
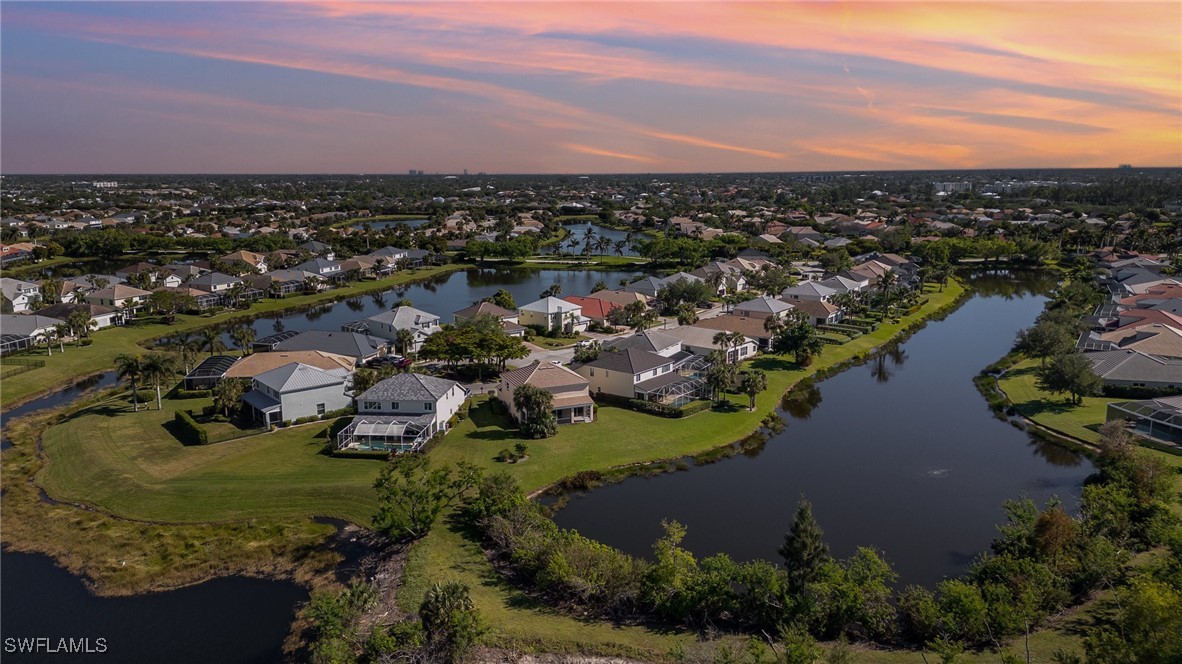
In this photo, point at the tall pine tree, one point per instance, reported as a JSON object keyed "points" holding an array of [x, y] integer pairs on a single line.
{"points": [[804, 550]]}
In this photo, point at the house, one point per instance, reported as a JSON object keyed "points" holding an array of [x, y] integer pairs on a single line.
{"points": [[184, 272], [752, 328], [650, 340], [507, 317], [34, 326], [763, 306], [633, 373], [120, 296], [318, 249], [361, 347], [323, 267], [819, 312], [387, 324], [700, 341], [845, 283], [594, 309], [619, 298], [364, 266], [19, 296], [570, 391], [1135, 369], [765, 239], [646, 286], [278, 283], [551, 313], [156, 274], [296, 390], [731, 278], [100, 316], [258, 363], [214, 282], [1159, 418], [808, 290], [402, 413], [256, 262]]}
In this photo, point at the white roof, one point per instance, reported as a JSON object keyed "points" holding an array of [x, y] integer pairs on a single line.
{"points": [[551, 305]]}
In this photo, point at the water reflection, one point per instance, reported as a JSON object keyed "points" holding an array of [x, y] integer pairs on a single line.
{"points": [[799, 403]]}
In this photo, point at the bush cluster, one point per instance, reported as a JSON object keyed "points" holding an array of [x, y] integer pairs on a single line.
{"points": [[188, 431]]}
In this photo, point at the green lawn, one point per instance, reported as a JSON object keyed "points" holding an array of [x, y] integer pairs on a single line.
{"points": [[129, 463], [1053, 411], [62, 369]]}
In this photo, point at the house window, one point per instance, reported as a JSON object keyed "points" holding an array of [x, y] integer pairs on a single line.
{"points": [[373, 405], [427, 406], [592, 372], [320, 409], [393, 405]]}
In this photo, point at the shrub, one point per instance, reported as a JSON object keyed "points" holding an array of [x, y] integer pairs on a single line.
{"points": [[85, 342], [191, 394], [188, 431]]}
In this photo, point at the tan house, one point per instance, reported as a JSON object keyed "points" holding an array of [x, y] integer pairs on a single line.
{"points": [[258, 363], [119, 296], [257, 262], [572, 398]]}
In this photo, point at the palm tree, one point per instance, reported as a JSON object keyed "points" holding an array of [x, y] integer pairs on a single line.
{"points": [[243, 335], [406, 340], [157, 368], [619, 246], [63, 331], [725, 340], [212, 338], [754, 383], [81, 322], [131, 369], [48, 337]]}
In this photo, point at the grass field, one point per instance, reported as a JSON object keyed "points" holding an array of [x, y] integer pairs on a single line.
{"points": [[63, 368], [128, 463], [1053, 411]]}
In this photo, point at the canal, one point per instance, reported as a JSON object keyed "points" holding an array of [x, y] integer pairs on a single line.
{"points": [[900, 454]]}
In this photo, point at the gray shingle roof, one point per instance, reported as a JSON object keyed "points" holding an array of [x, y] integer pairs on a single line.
{"points": [[649, 340], [1130, 365], [408, 387], [405, 318], [342, 343], [630, 360]]}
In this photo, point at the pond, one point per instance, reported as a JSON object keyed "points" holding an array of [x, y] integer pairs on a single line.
{"points": [[579, 234], [225, 620], [385, 224], [443, 295], [63, 396], [901, 454]]}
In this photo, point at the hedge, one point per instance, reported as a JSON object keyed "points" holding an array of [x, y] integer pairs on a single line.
{"points": [[188, 431], [654, 408], [179, 393]]}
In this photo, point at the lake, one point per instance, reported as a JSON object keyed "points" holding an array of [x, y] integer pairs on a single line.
{"points": [[225, 620], [579, 232], [444, 294], [901, 454], [390, 223]]}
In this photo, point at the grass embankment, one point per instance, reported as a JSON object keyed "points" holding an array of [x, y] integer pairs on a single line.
{"points": [[63, 368], [122, 556], [1054, 412], [619, 437]]}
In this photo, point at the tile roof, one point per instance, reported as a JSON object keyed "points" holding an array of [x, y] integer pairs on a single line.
{"points": [[545, 375], [258, 363], [484, 308], [593, 307], [405, 318], [550, 305]]}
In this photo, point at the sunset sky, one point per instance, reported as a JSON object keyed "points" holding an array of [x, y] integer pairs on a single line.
{"points": [[540, 87]]}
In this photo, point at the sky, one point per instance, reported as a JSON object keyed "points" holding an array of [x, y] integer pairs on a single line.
{"points": [[564, 87]]}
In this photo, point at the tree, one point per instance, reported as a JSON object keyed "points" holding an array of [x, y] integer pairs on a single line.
{"points": [[450, 621], [1046, 338], [212, 338], [62, 330], [227, 393], [721, 375], [405, 340], [411, 494], [535, 408], [243, 335], [753, 383], [158, 368], [687, 314], [81, 323], [801, 340], [131, 369], [1071, 373], [504, 299], [804, 549]]}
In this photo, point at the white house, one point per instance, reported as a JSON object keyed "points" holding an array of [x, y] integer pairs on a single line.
{"points": [[387, 324], [321, 266], [19, 296], [700, 341], [214, 282], [553, 314], [297, 390], [402, 413], [763, 306], [808, 290]]}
